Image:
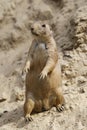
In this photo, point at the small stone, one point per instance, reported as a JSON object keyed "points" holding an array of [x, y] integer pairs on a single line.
{"points": [[67, 73], [15, 35], [13, 6], [82, 90], [53, 109], [3, 94], [2, 99], [64, 65], [19, 97], [85, 62], [72, 107], [67, 107], [80, 126], [67, 83], [19, 25], [83, 47], [70, 74], [81, 80], [0, 115], [5, 111]]}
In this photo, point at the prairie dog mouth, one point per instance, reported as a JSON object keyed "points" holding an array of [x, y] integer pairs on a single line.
{"points": [[34, 33]]}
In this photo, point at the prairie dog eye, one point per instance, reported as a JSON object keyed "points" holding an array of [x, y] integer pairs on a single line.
{"points": [[44, 25]]}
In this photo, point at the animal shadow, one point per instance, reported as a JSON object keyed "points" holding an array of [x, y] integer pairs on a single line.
{"points": [[15, 116]]}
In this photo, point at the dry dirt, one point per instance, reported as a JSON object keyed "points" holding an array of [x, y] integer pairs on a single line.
{"points": [[68, 19]]}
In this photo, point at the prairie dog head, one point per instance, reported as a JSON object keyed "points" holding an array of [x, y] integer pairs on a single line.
{"points": [[41, 30]]}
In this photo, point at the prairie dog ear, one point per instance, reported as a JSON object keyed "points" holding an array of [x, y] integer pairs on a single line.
{"points": [[46, 23], [43, 23]]}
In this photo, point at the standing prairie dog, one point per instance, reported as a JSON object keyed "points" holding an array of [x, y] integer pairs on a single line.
{"points": [[43, 78]]}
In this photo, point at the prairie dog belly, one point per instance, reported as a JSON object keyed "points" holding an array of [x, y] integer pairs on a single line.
{"points": [[33, 81]]}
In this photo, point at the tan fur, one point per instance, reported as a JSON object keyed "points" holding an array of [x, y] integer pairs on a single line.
{"points": [[43, 80]]}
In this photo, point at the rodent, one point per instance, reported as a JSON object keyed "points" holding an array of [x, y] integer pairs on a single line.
{"points": [[43, 78]]}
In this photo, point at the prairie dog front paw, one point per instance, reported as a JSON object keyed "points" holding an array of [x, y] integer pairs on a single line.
{"points": [[26, 68], [43, 74]]}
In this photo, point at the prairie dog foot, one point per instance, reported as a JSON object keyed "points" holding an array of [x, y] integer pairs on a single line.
{"points": [[28, 118], [60, 107]]}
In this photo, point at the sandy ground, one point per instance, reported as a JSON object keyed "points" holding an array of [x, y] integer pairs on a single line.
{"points": [[68, 19]]}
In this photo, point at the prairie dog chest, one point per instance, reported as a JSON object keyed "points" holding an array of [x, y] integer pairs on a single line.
{"points": [[40, 56], [40, 51]]}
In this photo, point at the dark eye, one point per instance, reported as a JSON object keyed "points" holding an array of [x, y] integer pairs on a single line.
{"points": [[44, 25]]}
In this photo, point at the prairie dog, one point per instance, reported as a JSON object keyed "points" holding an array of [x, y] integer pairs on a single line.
{"points": [[43, 78]]}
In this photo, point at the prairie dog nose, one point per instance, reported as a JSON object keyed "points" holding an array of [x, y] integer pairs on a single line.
{"points": [[32, 29]]}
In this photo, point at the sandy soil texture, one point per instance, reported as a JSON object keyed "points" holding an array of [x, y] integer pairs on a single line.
{"points": [[68, 20]]}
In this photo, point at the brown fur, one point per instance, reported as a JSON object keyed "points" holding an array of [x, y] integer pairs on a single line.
{"points": [[43, 80]]}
